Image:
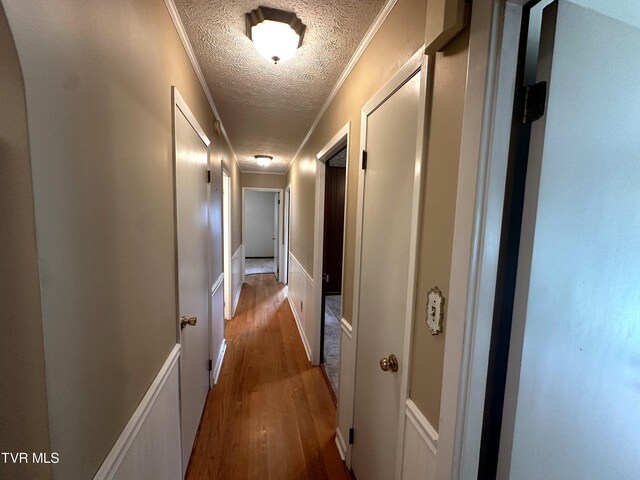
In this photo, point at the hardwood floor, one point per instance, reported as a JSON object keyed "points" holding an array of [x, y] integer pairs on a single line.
{"points": [[271, 415]]}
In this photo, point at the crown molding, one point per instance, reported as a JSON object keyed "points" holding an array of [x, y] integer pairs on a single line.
{"points": [[177, 22], [373, 29]]}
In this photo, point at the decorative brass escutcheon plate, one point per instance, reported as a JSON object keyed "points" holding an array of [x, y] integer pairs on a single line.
{"points": [[184, 321], [389, 363]]}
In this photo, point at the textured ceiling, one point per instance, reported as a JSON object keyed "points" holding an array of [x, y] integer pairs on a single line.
{"points": [[266, 108]]}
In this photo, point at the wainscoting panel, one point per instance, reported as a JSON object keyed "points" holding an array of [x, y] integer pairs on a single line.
{"points": [[420, 446], [150, 445], [218, 345], [345, 390], [300, 296], [237, 276]]}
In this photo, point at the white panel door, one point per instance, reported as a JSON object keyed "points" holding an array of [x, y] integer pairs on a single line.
{"points": [[388, 194], [191, 225], [572, 407]]}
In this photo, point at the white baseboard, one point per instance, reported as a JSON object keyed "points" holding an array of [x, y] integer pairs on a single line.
{"points": [[342, 447], [305, 342], [420, 445], [150, 444], [221, 352]]}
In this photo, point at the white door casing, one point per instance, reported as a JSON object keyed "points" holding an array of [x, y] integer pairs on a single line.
{"points": [[276, 235], [226, 242], [191, 159], [285, 240], [571, 405], [391, 133], [338, 141], [278, 220]]}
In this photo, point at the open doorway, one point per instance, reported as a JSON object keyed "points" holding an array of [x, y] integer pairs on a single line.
{"points": [[330, 220], [261, 220]]}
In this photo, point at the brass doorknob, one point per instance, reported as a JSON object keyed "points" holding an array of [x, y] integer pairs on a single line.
{"points": [[389, 363], [184, 321]]}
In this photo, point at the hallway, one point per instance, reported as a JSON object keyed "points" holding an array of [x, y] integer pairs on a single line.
{"points": [[271, 415]]}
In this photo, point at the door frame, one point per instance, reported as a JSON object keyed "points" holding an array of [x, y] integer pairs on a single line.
{"points": [[226, 242], [286, 219], [278, 236], [486, 128], [423, 64], [332, 147], [178, 104]]}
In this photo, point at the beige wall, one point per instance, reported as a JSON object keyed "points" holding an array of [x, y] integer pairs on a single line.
{"points": [[98, 79], [236, 202], [23, 402], [396, 41], [262, 180], [399, 37], [439, 194], [222, 157]]}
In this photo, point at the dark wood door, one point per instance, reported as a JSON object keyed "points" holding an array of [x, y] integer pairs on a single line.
{"points": [[333, 229]]}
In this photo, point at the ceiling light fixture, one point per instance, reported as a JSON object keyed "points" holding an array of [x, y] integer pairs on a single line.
{"points": [[263, 160], [277, 34]]}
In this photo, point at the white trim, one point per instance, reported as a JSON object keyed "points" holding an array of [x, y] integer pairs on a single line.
{"points": [[236, 299], [238, 255], [306, 274], [303, 337], [346, 328], [263, 172], [416, 63], [219, 360], [263, 189], [177, 22], [342, 446], [227, 262], [216, 285], [424, 428], [300, 322], [479, 202], [179, 102], [110, 466], [396, 82], [332, 147], [286, 232], [279, 233], [373, 29]]}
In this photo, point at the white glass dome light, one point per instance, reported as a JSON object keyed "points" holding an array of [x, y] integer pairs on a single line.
{"points": [[276, 34], [263, 160]]}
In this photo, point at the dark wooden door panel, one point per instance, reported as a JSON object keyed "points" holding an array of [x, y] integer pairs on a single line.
{"points": [[333, 229]]}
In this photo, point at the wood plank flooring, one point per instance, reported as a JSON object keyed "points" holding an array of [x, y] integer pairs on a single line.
{"points": [[271, 415]]}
